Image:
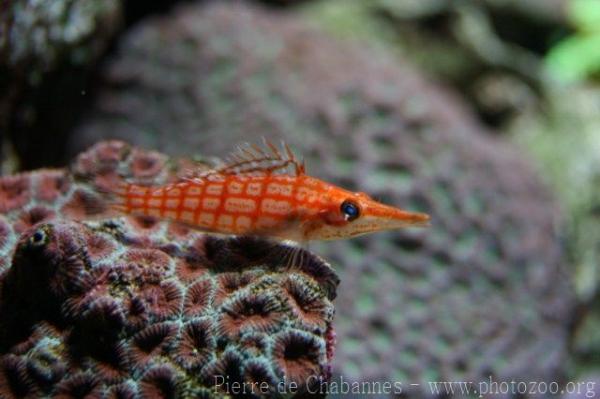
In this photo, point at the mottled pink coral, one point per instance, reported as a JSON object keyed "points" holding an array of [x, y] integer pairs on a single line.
{"points": [[228, 283], [51, 185], [147, 164], [152, 341], [146, 223], [82, 205], [152, 261], [123, 390], [192, 266], [14, 381], [255, 312], [308, 302], [99, 247], [198, 298], [163, 300], [5, 232], [298, 355], [131, 307], [15, 192], [31, 217], [81, 385], [160, 382], [197, 343]]}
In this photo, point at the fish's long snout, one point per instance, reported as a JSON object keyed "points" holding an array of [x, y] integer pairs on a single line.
{"points": [[411, 218], [390, 217]]}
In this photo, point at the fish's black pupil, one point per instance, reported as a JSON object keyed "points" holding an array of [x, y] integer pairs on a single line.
{"points": [[350, 210], [38, 237]]}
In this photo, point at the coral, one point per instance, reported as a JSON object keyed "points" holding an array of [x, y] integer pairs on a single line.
{"points": [[577, 57], [569, 132], [297, 353], [15, 192], [105, 308], [484, 291], [491, 51]]}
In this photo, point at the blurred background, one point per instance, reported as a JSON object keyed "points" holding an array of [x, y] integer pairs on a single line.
{"points": [[483, 113]]}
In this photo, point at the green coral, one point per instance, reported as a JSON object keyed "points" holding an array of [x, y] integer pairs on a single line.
{"points": [[566, 145], [578, 56], [393, 26]]}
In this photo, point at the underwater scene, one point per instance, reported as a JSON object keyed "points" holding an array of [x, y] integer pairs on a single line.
{"points": [[299, 198]]}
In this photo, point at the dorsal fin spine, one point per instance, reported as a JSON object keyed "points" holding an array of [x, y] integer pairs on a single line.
{"points": [[253, 159]]}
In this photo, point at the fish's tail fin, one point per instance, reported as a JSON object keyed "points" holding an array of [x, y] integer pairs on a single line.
{"points": [[115, 197], [95, 200]]}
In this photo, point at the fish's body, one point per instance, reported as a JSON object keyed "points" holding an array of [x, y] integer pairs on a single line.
{"points": [[248, 197], [234, 204]]}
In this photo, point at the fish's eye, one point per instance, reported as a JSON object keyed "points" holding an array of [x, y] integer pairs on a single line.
{"points": [[350, 210], [38, 238]]}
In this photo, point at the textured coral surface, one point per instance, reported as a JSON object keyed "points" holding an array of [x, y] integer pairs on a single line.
{"points": [[133, 307], [482, 292]]}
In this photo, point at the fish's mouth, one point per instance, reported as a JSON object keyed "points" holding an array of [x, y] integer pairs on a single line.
{"points": [[368, 224], [373, 224]]}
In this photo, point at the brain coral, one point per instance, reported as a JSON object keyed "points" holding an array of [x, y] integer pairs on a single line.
{"points": [[484, 291], [128, 308]]}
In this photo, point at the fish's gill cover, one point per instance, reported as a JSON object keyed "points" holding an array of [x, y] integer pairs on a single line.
{"points": [[137, 308], [484, 291]]}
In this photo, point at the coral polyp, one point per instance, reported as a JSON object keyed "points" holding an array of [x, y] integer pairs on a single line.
{"points": [[298, 355], [251, 312], [197, 344], [198, 297], [130, 308], [15, 192]]}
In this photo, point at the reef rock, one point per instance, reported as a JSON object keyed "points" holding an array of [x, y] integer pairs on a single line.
{"points": [[47, 49], [138, 308], [483, 292]]}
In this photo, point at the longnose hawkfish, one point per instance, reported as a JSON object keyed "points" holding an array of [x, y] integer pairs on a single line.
{"points": [[264, 191]]}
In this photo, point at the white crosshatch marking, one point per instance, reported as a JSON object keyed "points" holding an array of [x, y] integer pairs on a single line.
{"points": [[155, 202], [171, 214], [240, 205], [187, 216], [174, 192], [138, 190], [155, 212], [277, 207], [214, 189], [172, 204], [225, 221], [194, 190], [137, 202], [279, 189], [206, 219], [235, 187], [254, 188], [266, 222], [211, 203], [243, 222], [191, 203]]}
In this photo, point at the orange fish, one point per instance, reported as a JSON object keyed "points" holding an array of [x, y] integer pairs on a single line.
{"points": [[265, 192]]}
